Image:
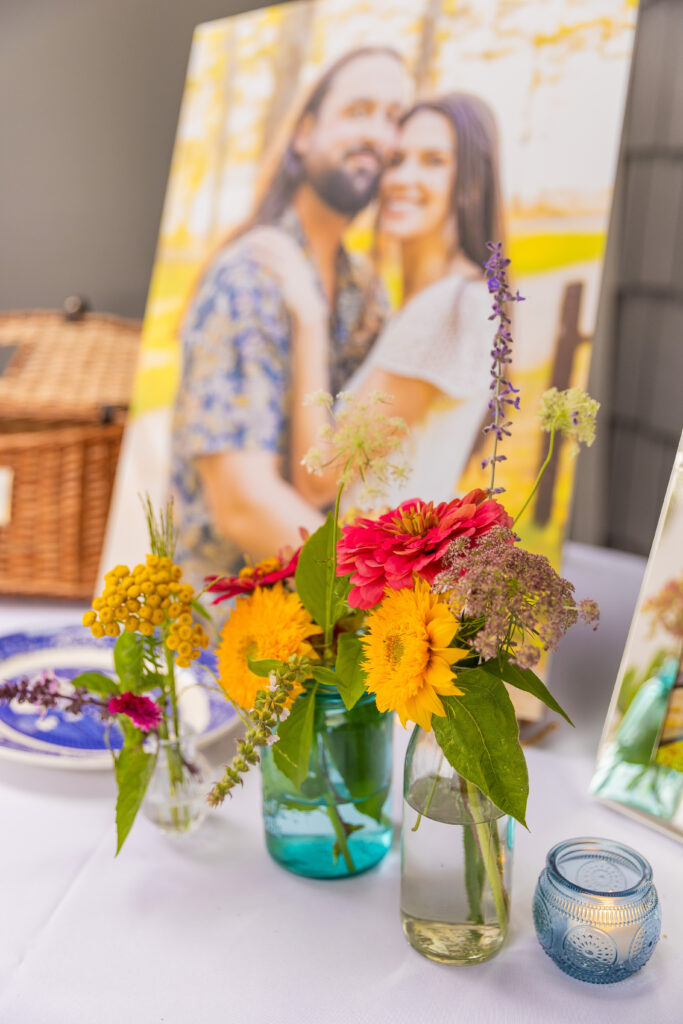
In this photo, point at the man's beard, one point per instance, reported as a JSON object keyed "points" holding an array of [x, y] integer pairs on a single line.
{"points": [[344, 191]]}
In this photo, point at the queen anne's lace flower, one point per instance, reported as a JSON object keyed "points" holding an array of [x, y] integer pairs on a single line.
{"points": [[572, 412], [363, 442]]}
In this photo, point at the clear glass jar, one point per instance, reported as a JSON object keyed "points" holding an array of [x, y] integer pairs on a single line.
{"points": [[175, 800], [456, 860], [339, 822], [596, 910]]}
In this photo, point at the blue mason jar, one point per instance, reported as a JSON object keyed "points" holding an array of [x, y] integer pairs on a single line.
{"points": [[596, 910], [338, 822]]}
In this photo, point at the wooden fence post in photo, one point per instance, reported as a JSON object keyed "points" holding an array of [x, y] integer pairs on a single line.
{"points": [[568, 340]]}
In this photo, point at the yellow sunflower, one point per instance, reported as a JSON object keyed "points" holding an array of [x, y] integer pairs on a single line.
{"points": [[407, 657], [269, 623]]}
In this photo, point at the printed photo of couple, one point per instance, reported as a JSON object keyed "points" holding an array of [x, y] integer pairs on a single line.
{"points": [[640, 761], [339, 170]]}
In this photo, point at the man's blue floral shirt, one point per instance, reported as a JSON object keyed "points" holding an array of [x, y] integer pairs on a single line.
{"points": [[234, 392]]}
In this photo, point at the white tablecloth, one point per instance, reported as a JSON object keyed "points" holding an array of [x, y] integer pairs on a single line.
{"points": [[208, 929]]}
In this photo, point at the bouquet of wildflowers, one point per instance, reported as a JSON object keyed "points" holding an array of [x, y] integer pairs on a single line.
{"points": [[433, 609], [150, 613]]}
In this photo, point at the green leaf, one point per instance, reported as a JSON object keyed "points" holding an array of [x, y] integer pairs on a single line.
{"points": [[309, 795], [199, 609], [480, 738], [292, 751], [313, 576], [96, 682], [350, 673], [301, 805], [262, 667], [129, 660], [132, 736], [324, 675], [374, 805], [359, 751], [134, 767], [152, 681], [524, 679]]}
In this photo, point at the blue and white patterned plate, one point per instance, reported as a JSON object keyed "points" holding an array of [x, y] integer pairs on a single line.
{"points": [[63, 740]]}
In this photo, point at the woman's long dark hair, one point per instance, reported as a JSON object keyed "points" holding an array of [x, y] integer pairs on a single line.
{"points": [[475, 199]]}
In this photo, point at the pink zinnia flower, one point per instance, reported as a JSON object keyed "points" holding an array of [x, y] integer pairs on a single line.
{"points": [[142, 711], [270, 571], [411, 539]]}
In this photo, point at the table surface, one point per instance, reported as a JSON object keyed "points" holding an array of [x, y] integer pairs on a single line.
{"points": [[209, 929]]}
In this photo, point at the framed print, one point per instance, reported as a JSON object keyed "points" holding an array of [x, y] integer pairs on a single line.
{"points": [[640, 761]]}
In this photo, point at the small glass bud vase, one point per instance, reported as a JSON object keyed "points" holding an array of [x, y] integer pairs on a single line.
{"points": [[456, 860], [596, 910], [338, 822], [175, 800]]}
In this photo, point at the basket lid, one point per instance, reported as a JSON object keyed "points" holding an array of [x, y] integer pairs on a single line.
{"points": [[54, 368]]}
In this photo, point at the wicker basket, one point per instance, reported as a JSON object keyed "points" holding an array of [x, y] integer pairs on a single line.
{"points": [[64, 393]]}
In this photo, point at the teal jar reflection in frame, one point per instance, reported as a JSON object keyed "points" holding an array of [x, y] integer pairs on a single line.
{"points": [[627, 772], [338, 822]]}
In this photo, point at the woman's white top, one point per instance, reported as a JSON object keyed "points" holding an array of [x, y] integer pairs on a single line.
{"points": [[443, 335]]}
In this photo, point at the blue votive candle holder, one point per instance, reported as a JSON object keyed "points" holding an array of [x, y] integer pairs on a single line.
{"points": [[596, 910]]}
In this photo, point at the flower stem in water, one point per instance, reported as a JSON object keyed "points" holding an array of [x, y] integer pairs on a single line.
{"points": [[491, 863]]}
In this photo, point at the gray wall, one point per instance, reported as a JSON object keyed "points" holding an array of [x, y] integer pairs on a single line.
{"points": [[638, 364], [89, 97]]}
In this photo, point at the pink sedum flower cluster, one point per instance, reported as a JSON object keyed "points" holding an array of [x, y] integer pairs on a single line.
{"points": [[524, 605]]}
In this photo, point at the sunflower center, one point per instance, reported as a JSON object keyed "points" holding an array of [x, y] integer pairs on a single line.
{"points": [[248, 647], [393, 649], [416, 521]]}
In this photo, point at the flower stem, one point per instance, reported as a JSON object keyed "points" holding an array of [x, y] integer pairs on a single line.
{"points": [[331, 808], [173, 696], [494, 459], [331, 576], [551, 445], [174, 758], [338, 826], [488, 856], [432, 791]]}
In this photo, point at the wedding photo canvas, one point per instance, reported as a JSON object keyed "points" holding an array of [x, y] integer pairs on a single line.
{"points": [[358, 158]]}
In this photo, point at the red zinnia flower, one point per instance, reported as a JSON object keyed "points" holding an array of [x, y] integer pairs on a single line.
{"points": [[142, 711], [411, 539], [271, 570]]}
